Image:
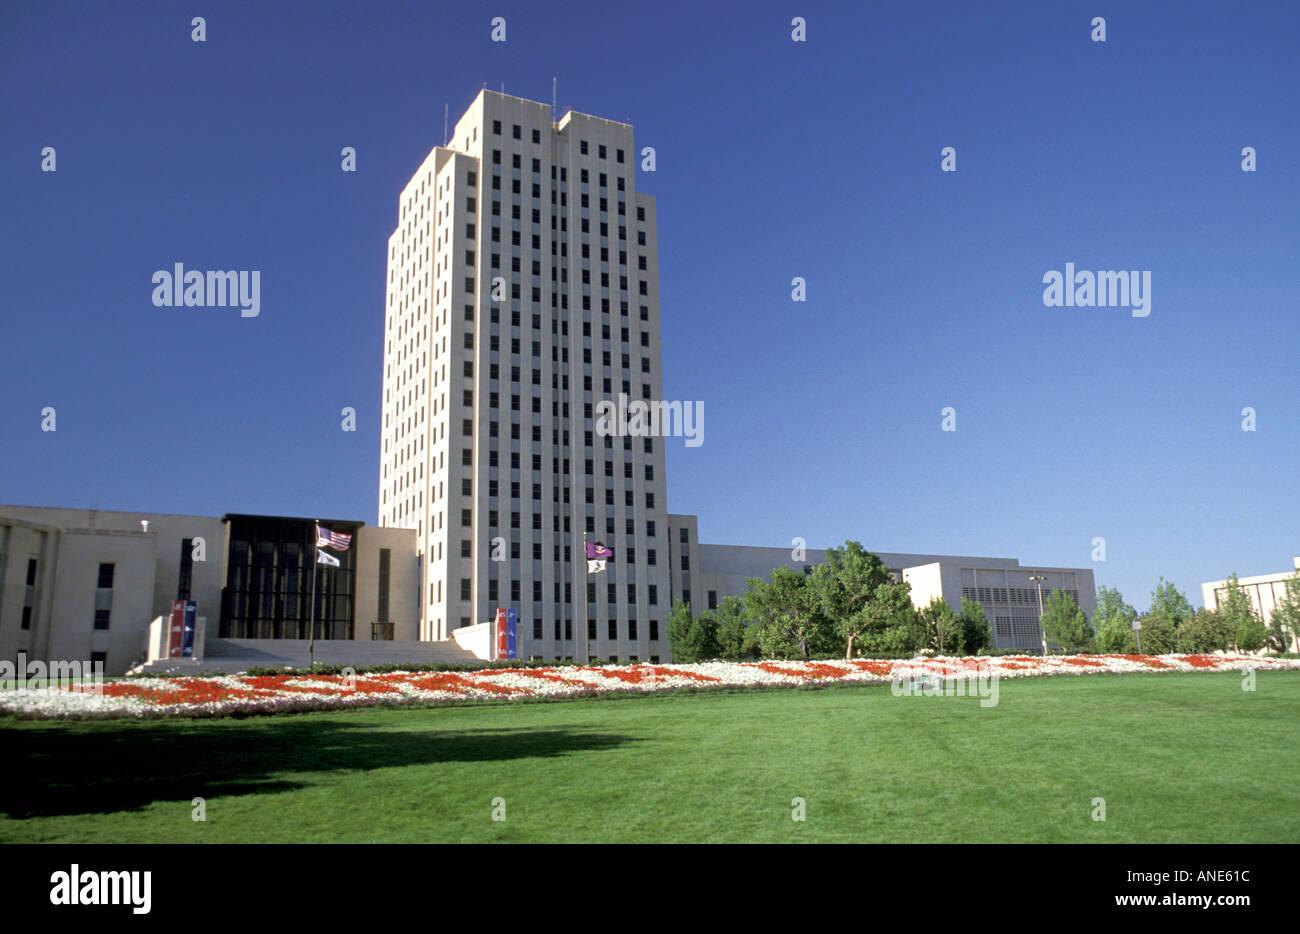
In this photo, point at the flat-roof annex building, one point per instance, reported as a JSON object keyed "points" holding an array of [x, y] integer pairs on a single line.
{"points": [[1001, 586], [85, 584]]}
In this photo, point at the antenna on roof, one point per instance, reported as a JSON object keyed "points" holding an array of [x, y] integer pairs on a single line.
{"points": [[444, 124], [553, 104]]}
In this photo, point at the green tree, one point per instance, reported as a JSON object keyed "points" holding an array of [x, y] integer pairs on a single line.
{"points": [[707, 640], [1064, 623], [856, 591], [975, 631], [1159, 636], [1286, 615], [1206, 631], [1168, 601], [1113, 622], [901, 635], [1249, 633], [1168, 611], [690, 639], [1252, 634], [943, 630], [681, 632], [731, 627], [1279, 637], [787, 613]]}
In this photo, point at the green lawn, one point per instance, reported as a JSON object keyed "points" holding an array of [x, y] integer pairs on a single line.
{"points": [[1177, 757]]}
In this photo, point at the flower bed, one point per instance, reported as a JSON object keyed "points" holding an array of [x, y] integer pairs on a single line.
{"points": [[262, 694]]}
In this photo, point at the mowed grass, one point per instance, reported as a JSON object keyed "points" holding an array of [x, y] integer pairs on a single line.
{"points": [[1177, 758]]}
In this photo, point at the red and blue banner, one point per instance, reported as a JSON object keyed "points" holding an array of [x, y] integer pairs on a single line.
{"points": [[507, 633], [176, 629], [503, 643]]}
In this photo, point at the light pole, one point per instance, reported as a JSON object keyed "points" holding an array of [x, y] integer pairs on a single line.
{"points": [[1038, 581]]}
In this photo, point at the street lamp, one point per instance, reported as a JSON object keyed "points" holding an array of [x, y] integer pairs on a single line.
{"points": [[1038, 580]]}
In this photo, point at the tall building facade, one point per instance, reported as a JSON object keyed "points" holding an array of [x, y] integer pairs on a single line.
{"points": [[523, 290]]}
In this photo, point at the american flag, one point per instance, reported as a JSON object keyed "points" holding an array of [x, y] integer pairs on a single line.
{"points": [[336, 540]]}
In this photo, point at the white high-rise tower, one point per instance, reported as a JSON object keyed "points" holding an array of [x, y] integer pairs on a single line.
{"points": [[523, 290]]}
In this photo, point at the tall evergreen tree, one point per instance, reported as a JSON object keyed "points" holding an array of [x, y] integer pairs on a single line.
{"points": [[1112, 621], [1064, 624], [943, 630], [975, 631], [1241, 618], [1285, 622]]}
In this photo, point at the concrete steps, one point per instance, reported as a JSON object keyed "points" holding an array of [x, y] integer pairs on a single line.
{"points": [[236, 655]]}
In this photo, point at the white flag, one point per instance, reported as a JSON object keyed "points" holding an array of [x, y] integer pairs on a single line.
{"points": [[323, 558], [595, 565]]}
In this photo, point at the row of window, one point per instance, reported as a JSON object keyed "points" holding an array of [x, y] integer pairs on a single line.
{"points": [[652, 592], [1022, 628], [565, 632], [517, 133], [467, 517], [467, 486], [559, 194], [559, 197], [494, 345], [1027, 596], [563, 323], [628, 553]]}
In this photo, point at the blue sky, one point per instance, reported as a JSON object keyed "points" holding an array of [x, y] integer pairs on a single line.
{"points": [[776, 159]]}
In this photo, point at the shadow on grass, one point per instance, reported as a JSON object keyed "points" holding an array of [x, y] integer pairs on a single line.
{"points": [[58, 771]]}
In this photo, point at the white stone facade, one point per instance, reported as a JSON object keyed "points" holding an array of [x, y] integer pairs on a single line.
{"points": [[490, 449]]}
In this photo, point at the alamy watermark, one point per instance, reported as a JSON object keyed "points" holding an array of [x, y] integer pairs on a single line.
{"points": [[78, 886], [1107, 288], [647, 419], [981, 682], [212, 288], [57, 675]]}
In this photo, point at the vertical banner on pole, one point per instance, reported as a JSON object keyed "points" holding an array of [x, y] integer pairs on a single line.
{"points": [[512, 633], [502, 644], [176, 629], [187, 631]]}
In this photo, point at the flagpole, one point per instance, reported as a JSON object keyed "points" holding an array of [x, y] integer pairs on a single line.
{"points": [[311, 631], [586, 635]]}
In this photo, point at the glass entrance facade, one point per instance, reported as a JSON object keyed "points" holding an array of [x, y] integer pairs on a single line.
{"points": [[273, 587]]}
